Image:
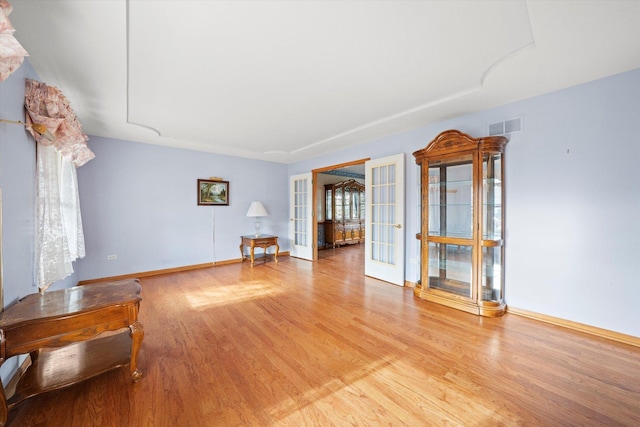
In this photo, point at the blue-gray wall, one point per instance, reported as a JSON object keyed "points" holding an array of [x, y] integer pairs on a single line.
{"points": [[139, 202], [573, 201]]}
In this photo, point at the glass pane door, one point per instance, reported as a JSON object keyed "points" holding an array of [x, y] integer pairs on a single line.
{"points": [[383, 214], [300, 224], [384, 219], [300, 208]]}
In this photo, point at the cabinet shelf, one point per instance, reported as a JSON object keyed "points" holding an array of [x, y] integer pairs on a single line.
{"points": [[456, 287], [461, 183], [62, 367], [453, 237]]}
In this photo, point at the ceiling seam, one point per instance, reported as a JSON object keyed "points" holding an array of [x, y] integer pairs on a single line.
{"points": [[128, 32]]}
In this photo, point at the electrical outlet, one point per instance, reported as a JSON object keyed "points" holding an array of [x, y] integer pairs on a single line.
{"points": [[112, 257]]}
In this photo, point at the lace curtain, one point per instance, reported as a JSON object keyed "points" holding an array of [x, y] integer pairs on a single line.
{"points": [[59, 234], [11, 52]]}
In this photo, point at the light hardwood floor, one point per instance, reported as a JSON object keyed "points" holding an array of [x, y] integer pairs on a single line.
{"points": [[318, 344]]}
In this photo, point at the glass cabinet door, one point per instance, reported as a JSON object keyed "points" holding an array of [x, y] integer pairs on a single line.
{"points": [[338, 204], [355, 208], [491, 274], [492, 196], [451, 268], [328, 203], [347, 202], [451, 198], [450, 221], [492, 242]]}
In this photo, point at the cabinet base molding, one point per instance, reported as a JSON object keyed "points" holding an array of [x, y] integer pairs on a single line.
{"points": [[581, 327], [485, 309]]}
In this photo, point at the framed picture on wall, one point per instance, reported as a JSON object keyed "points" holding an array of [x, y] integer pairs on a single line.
{"points": [[213, 193]]}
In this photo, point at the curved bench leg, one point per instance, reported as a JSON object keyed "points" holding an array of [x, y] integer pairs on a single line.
{"points": [[137, 334]]}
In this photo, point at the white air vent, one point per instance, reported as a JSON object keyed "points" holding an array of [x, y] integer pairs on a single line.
{"points": [[496, 129], [506, 127]]}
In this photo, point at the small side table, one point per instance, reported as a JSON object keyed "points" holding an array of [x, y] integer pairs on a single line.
{"points": [[62, 331], [262, 241]]}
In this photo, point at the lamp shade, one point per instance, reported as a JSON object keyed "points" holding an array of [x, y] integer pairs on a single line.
{"points": [[257, 209]]}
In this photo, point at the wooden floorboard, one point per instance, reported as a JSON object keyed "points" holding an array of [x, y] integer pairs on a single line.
{"points": [[319, 344]]}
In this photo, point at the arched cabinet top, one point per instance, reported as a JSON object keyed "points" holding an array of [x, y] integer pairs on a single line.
{"points": [[453, 141]]}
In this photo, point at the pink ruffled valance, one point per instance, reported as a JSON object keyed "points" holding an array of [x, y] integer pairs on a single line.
{"points": [[11, 52], [48, 106]]}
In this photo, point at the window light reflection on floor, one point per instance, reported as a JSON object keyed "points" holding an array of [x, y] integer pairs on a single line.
{"points": [[367, 380], [231, 294]]}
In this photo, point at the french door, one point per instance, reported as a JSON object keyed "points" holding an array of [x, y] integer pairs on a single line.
{"points": [[300, 214], [384, 223]]}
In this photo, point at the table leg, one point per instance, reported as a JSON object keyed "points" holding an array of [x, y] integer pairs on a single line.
{"points": [[275, 256], [4, 409], [137, 334], [252, 248], [241, 251]]}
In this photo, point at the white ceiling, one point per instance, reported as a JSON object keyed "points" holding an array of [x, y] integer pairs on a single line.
{"points": [[289, 80]]}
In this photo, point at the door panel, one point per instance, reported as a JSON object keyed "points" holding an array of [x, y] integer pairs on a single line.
{"points": [[384, 223], [300, 209]]}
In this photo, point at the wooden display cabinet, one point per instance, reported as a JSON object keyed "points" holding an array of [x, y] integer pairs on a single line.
{"points": [[344, 213], [462, 217]]}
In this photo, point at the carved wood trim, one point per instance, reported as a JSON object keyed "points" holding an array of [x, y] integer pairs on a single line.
{"points": [[453, 141]]}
